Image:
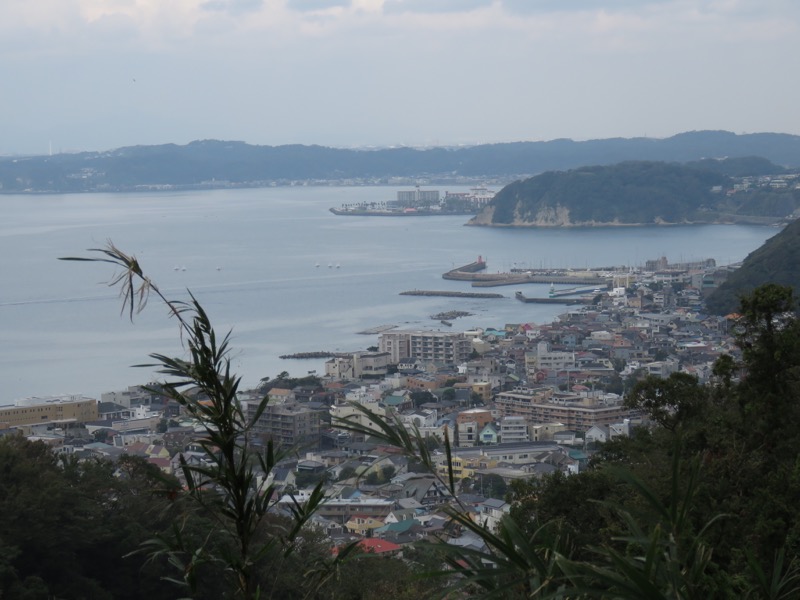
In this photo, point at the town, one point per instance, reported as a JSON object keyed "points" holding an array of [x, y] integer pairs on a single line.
{"points": [[515, 402]]}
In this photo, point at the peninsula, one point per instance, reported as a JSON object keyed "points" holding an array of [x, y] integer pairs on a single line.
{"points": [[648, 193]]}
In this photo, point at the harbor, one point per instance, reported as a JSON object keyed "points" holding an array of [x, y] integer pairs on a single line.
{"points": [[421, 203]]}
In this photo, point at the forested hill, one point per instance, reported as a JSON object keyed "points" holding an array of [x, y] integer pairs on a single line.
{"points": [[213, 163], [777, 261], [641, 192]]}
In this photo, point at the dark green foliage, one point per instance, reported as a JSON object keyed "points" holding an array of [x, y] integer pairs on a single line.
{"points": [[66, 526], [668, 402], [765, 202], [638, 192], [630, 192], [559, 498], [743, 166], [777, 262]]}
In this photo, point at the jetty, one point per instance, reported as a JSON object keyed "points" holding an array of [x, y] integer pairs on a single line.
{"points": [[450, 294], [376, 330], [575, 291], [467, 272], [474, 272], [562, 300]]}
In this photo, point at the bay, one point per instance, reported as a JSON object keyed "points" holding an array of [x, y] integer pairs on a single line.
{"points": [[275, 267]]}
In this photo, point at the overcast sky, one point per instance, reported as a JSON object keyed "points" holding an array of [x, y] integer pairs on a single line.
{"points": [[100, 74]]}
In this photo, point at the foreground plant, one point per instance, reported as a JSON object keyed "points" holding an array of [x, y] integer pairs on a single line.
{"points": [[231, 490]]}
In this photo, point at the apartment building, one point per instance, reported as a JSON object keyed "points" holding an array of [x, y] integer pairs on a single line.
{"points": [[290, 425], [543, 405], [438, 346], [513, 429]]}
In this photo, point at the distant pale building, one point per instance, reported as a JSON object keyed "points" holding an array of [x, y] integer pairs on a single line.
{"points": [[49, 409]]}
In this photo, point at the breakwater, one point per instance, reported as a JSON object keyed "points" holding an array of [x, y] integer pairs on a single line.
{"points": [[521, 278], [466, 272], [474, 272], [450, 294], [522, 298], [316, 354]]}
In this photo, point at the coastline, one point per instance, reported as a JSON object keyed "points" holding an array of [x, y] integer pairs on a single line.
{"points": [[743, 220]]}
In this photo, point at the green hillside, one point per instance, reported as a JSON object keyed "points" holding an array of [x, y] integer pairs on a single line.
{"points": [[777, 261], [647, 193]]}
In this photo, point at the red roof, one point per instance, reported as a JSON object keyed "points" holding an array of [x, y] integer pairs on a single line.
{"points": [[378, 546]]}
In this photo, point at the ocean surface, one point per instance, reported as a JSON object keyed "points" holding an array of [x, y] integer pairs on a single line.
{"points": [[275, 267]]}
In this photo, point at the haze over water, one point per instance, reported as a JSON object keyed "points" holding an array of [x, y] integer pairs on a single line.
{"points": [[251, 256]]}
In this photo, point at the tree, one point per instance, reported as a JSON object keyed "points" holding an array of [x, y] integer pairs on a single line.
{"points": [[668, 402], [228, 490], [67, 524]]}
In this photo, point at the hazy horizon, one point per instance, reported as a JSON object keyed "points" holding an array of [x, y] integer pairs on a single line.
{"points": [[367, 148]]}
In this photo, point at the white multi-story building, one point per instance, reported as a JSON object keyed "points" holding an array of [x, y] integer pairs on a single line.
{"points": [[513, 429], [437, 346], [545, 360]]}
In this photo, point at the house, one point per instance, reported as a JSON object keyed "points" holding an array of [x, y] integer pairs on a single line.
{"points": [[379, 546], [488, 434], [395, 531], [425, 489], [401, 514], [491, 511], [597, 433], [362, 524]]}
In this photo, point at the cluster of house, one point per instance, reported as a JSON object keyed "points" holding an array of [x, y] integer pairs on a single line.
{"points": [[514, 403]]}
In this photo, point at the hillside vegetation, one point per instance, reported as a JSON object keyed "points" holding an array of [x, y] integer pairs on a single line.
{"points": [[640, 192], [777, 261]]}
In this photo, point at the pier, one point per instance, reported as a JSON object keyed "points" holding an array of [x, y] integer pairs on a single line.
{"points": [[574, 292], [376, 330], [450, 294], [474, 272], [563, 300]]}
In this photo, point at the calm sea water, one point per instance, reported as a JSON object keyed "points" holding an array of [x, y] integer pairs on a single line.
{"points": [[251, 256]]}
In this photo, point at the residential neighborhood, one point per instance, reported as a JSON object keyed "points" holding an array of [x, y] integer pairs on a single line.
{"points": [[515, 402]]}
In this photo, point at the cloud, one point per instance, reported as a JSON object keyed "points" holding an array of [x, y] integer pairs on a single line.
{"points": [[233, 7], [315, 5], [433, 6], [565, 6]]}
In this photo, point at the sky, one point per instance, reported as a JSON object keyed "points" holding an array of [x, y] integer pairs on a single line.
{"points": [[102, 74]]}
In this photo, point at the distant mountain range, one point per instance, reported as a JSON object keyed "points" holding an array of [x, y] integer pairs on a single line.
{"points": [[648, 193], [776, 261], [217, 164]]}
